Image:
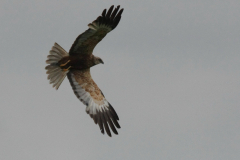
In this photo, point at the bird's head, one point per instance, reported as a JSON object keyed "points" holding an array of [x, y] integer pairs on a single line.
{"points": [[98, 60]]}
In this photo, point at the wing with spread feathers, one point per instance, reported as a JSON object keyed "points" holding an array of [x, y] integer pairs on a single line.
{"points": [[85, 43], [89, 94]]}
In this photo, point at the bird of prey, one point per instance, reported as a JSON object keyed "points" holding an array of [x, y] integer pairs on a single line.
{"points": [[76, 66]]}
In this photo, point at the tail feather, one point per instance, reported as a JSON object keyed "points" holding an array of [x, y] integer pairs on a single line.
{"points": [[55, 74], [60, 49]]}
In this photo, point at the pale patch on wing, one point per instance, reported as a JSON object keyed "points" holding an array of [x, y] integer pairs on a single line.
{"points": [[84, 93], [89, 94]]}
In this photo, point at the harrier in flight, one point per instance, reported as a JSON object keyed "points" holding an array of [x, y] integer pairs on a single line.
{"points": [[76, 66]]}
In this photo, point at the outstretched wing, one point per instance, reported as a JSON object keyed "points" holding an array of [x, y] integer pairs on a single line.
{"points": [[98, 107], [85, 42]]}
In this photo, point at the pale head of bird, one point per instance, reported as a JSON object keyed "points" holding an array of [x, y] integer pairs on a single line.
{"points": [[98, 60]]}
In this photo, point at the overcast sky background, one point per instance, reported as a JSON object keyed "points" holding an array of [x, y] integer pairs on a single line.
{"points": [[171, 71]]}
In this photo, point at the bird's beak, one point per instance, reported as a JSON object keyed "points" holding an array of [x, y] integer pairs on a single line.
{"points": [[102, 62]]}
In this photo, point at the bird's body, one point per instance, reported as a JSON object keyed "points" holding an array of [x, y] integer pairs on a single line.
{"points": [[76, 66], [77, 62]]}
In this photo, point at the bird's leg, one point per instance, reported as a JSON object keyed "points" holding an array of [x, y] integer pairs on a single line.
{"points": [[67, 69], [65, 63]]}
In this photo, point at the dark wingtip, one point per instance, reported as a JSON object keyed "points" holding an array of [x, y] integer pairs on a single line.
{"points": [[114, 12], [120, 12], [107, 121], [110, 17], [109, 11], [104, 12]]}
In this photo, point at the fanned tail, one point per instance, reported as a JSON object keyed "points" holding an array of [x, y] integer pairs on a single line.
{"points": [[55, 74]]}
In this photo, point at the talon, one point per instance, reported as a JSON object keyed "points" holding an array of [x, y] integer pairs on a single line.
{"points": [[67, 68], [65, 63]]}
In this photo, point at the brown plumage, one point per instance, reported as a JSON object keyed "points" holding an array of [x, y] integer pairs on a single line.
{"points": [[76, 66]]}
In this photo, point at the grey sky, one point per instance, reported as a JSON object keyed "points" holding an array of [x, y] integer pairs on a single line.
{"points": [[171, 71]]}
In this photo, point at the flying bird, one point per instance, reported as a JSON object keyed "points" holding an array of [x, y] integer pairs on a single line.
{"points": [[76, 66]]}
